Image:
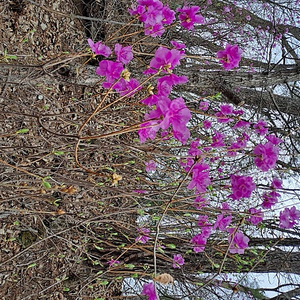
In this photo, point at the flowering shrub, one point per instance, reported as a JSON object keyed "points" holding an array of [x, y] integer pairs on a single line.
{"points": [[217, 159]]}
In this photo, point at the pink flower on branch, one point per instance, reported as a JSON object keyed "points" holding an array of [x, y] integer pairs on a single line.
{"points": [[176, 114], [148, 130], [178, 261], [270, 199], [266, 156], [242, 186], [289, 217], [143, 235], [165, 59], [111, 70], [149, 290], [113, 263], [99, 48], [124, 54], [256, 216], [222, 222], [165, 83], [237, 240], [200, 178], [150, 166], [199, 242], [276, 183], [261, 127], [230, 57], [127, 88], [188, 16]]}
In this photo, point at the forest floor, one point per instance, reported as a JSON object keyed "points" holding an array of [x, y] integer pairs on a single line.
{"points": [[54, 214]]}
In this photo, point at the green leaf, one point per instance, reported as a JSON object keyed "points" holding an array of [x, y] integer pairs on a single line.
{"points": [[65, 289], [12, 57], [171, 246], [24, 130], [141, 212], [129, 266], [46, 184], [104, 282], [55, 202], [58, 152], [31, 265]]}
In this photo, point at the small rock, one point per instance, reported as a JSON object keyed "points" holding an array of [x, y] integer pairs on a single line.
{"points": [[43, 26]]}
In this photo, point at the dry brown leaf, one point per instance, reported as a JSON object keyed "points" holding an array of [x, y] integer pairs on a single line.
{"points": [[164, 278], [115, 179]]}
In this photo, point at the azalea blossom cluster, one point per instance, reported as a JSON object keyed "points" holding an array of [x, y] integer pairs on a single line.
{"points": [[155, 16]]}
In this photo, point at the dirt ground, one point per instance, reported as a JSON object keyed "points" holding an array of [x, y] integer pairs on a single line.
{"points": [[58, 216]]}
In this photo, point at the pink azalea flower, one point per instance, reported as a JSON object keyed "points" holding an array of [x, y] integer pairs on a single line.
{"points": [[266, 156], [238, 241], [112, 70], [127, 88], [230, 57], [203, 105], [148, 130], [206, 124], [150, 166], [194, 150], [221, 118], [200, 178], [149, 290], [222, 222], [225, 207], [178, 45], [165, 59], [256, 216], [168, 15], [155, 30], [151, 100], [274, 139], [200, 202], [261, 127], [153, 14], [186, 163], [143, 235], [227, 9], [276, 183], [289, 217], [113, 262], [241, 123], [124, 54], [226, 109], [217, 140], [242, 186], [99, 48], [140, 191], [270, 199], [188, 16], [178, 261], [241, 143], [176, 114], [203, 221], [165, 83], [199, 243]]}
